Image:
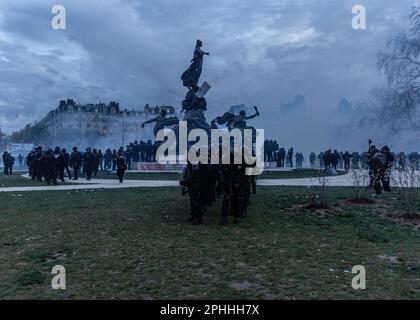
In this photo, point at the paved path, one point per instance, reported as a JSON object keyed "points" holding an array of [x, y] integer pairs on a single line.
{"points": [[82, 184], [334, 181]]}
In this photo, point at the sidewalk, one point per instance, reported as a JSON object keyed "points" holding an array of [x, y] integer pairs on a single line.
{"points": [[83, 184]]}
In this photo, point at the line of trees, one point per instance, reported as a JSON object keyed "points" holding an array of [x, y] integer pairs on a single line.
{"points": [[392, 114], [399, 101]]}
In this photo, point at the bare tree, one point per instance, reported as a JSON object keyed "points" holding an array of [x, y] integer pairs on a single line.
{"points": [[406, 181], [360, 181], [394, 110], [324, 182], [320, 195], [399, 102]]}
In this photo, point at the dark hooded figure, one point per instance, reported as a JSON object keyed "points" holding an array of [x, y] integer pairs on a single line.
{"points": [[114, 159], [11, 163], [136, 152], [31, 163], [97, 158], [128, 157], [66, 162], [20, 159], [49, 169], [380, 163], [346, 159], [121, 166], [101, 160], [39, 153], [59, 163], [89, 163], [76, 162], [281, 155], [290, 157], [5, 158], [149, 150], [312, 159], [108, 159]]}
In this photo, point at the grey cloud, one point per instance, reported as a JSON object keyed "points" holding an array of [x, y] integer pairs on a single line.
{"points": [[262, 52]]}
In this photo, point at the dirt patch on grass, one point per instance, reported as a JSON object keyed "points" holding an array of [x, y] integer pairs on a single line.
{"points": [[405, 218], [364, 201], [244, 285], [390, 258], [318, 209], [316, 206]]}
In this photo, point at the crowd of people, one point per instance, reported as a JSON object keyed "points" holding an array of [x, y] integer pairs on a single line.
{"points": [[338, 160], [52, 165], [355, 160], [274, 153], [377, 162], [331, 159], [206, 183]]}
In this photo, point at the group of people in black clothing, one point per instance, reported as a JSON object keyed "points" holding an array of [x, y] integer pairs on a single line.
{"points": [[337, 160], [282, 158], [330, 159], [52, 165], [135, 152], [412, 159]]}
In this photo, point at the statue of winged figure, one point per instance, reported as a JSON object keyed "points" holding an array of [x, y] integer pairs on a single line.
{"points": [[191, 76]]}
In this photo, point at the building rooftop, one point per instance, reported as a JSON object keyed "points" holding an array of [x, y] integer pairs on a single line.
{"points": [[112, 108]]}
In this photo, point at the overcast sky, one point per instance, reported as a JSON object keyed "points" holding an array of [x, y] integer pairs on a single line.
{"points": [[134, 51]]}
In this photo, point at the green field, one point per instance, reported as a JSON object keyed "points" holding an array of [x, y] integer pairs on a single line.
{"points": [[142, 176], [135, 243], [16, 180]]}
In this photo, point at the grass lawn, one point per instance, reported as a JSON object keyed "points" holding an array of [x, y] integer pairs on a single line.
{"points": [[16, 180], [134, 243], [142, 176]]}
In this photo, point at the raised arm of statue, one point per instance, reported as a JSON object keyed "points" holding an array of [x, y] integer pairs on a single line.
{"points": [[203, 52], [257, 114], [149, 121]]}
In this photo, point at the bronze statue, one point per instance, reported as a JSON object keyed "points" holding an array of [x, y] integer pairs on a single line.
{"points": [[233, 121], [161, 121], [192, 75], [239, 122], [195, 103]]}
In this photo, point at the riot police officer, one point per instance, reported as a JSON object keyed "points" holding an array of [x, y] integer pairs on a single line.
{"points": [[89, 162], [380, 163], [66, 162], [59, 163], [76, 162], [49, 170]]}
